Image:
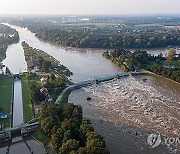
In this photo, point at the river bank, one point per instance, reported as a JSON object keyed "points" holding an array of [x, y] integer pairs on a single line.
{"points": [[160, 77]]}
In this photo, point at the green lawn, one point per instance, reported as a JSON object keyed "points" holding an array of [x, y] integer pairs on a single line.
{"points": [[27, 105], [5, 98]]}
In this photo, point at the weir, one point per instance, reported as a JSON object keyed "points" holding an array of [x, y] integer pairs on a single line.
{"points": [[93, 81]]}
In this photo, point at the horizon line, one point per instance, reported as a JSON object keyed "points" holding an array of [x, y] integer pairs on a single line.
{"points": [[120, 14]]}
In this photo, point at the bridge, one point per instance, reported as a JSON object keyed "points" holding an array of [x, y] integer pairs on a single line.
{"points": [[93, 81]]}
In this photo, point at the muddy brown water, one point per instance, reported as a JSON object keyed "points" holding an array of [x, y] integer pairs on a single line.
{"points": [[121, 134]]}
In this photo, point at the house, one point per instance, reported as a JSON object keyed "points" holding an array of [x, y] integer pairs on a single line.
{"points": [[45, 92], [44, 80], [32, 65]]}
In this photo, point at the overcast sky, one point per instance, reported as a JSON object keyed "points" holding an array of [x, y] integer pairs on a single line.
{"points": [[89, 6]]}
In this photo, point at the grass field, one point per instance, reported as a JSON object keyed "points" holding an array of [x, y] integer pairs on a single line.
{"points": [[27, 105], [5, 98]]}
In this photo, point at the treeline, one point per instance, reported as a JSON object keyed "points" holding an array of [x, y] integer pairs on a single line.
{"points": [[171, 73], [44, 61], [7, 36], [131, 61], [90, 38], [127, 60], [68, 132]]}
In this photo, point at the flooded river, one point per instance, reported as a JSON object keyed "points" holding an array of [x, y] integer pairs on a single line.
{"points": [[127, 110], [125, 131]]}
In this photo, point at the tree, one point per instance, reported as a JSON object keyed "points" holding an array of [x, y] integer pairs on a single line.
{"points": [[52, 76], [82, 150], [40, 61], [85, 128], [171, 55], [95, 144], [35, 93], [46, 65], [68, 135], [8, 71], [1, 109], [67, 132], [69, 146]]}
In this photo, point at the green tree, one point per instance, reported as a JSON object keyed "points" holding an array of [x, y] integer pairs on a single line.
{"points": [[81, 150], [171, 55], [95, 144], [69, 146], [46, 65], [52, 76], [34, 91]]}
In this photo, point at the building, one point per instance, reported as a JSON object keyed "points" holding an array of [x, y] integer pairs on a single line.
{"points": [[44, 80], [45, 92]]}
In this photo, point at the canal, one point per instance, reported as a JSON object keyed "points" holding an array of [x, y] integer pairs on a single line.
{"points": [[17, 104], [15, 61]]}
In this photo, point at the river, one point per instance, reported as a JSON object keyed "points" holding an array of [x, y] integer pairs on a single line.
{"points": [[127, 110], [84, 63], [120, 136]]}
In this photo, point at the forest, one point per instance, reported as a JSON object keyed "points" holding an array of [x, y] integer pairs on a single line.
{"points": [[168, 66], [7, 36], [105, 32], [68, 132]]}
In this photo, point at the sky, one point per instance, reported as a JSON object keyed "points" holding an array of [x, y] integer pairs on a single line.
{"points": [[89, 7]]}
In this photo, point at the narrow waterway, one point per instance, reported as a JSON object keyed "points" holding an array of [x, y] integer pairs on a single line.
{"points": [[18, 104], [15, 61]]}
